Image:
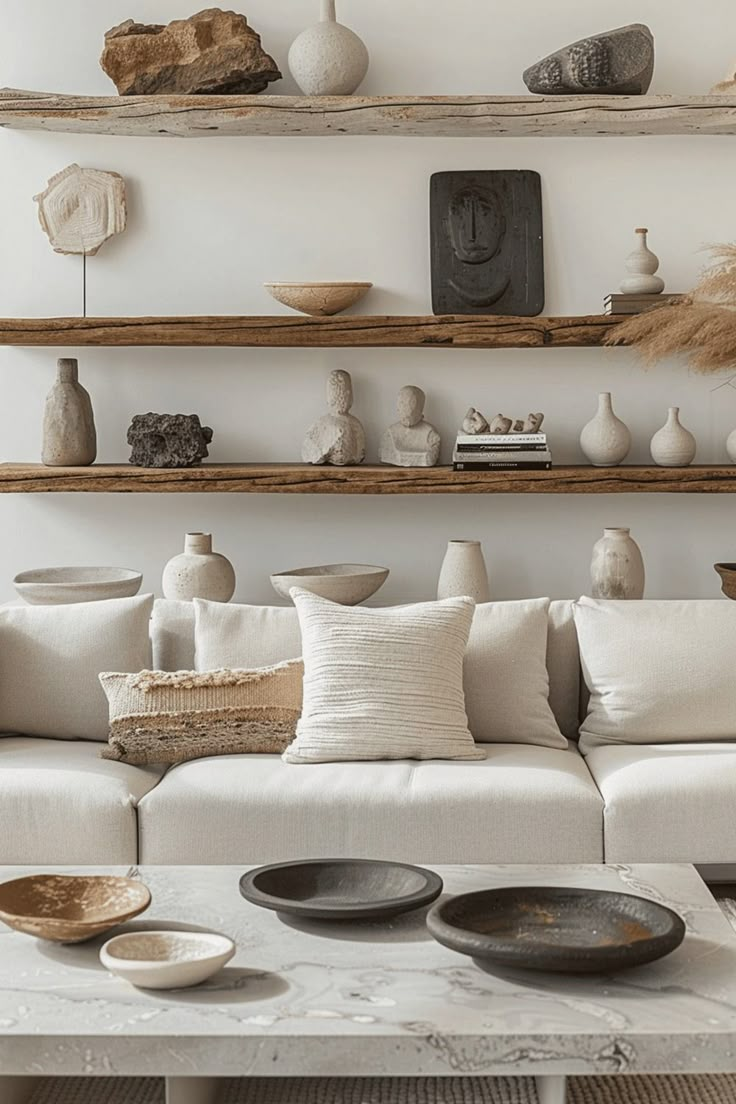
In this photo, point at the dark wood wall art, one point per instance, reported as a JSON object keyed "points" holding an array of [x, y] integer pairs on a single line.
{"points": [[486, 240]]}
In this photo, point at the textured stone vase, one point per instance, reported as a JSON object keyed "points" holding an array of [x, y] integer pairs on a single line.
{"points": [[328, 59], [673, 446], [464, 572], [641, 264], [198, 572], [69, 435], [605, 440], [731, 446], [617, 569]]}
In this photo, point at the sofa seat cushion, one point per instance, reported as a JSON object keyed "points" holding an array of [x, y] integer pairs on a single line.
{"points": [[60, 804], [667, 803], [521, 804]]}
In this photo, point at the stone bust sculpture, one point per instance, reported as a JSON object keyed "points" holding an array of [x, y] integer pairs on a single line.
{"points": [[337, 437], [411, 442]]}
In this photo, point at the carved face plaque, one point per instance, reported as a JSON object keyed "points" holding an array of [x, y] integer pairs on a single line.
{"points": [[486, 231]]}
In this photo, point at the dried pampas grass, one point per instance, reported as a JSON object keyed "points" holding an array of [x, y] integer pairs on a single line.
{"points": [[702, 325]]}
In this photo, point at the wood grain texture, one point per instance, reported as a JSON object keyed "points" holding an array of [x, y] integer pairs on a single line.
{"points": [[364, 480], [302, 332], [402, 116]]}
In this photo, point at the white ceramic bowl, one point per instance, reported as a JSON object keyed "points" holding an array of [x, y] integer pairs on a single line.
{"points": [[58, 586], [319, 299], [166, 959], [347, 584]]}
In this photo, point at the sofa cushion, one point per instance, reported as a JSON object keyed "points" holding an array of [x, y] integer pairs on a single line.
{"points": [[63, 805], [172, 635], [667, 803], [520, 804], [244, 636], [563, 666]]}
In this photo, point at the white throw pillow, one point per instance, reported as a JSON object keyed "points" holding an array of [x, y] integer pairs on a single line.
{"points": [[383, 683], [658, 672], [50, 659], [236, 636]]}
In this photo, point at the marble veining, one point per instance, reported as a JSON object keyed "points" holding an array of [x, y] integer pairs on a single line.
{"points": [[303, 998]]}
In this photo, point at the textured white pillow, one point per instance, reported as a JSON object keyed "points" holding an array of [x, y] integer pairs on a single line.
{"points": [[382, 683], [658, 672], [506, 680], [50, 659], [236, 636]]}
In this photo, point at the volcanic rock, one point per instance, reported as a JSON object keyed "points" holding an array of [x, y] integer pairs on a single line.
{"points": [[168, 440], [619, 63]]}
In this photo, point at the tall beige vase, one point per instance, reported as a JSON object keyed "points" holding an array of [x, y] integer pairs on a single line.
{"points": [[464, 572], [198, 572], [69, 435], [617, 570]]}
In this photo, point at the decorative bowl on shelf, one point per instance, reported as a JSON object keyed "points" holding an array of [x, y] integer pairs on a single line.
{"points": [[57, 586], [70, 909], [346, 584], [319, 299], [727, 571], [166, 959]]}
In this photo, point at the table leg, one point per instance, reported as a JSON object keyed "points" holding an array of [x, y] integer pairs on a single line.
{"points": [[16, 1090], [190, 1090], [551, 1089]]}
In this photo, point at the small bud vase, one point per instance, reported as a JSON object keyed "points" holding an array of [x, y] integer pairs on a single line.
{"points": [[464, 572], [673, 446], [605, 440], [731, 446], [69, 435], [641, 265], [328, 59], [617, 569], [198, 572]]}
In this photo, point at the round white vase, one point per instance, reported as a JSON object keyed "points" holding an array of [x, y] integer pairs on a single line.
{"points": [[731, 446], [464, 572], [673, 446], [328, 59], [198, 572], [605, 440], [617, 568], [641, 265]]}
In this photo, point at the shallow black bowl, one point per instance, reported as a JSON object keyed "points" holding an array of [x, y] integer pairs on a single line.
{"points": [[341, 889], [577, 931]]}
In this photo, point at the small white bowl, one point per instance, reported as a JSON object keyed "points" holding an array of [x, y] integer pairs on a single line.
{"points": [[58, 586], [319, 299], [166, 959], [347, 584]]}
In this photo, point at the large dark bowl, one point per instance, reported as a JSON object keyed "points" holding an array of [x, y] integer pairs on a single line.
{"points": [[576, 931], [341, 889], [727, 571]]}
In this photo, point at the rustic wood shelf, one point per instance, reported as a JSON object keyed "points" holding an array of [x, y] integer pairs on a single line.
{"points": [[364, 480], [302, 332], [402, 116]]}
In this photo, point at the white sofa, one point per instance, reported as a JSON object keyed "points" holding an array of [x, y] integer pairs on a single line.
{"points": [[60, 804]]}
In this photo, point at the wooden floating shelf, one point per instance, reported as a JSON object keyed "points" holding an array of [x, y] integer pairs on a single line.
{"points": [[363, 480], [302, 332], [402, 116]]}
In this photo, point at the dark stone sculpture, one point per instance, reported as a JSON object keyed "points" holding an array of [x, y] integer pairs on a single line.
{"points": [[168, 440], [486, 231], [615, 63]]}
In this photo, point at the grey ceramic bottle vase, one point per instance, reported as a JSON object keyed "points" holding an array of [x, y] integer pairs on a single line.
{"points": [[69, 435]]}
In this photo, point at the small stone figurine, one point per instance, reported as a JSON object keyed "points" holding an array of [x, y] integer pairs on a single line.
{"points": [[411, 442], [474, 423], [337, 437], [641, 266]]}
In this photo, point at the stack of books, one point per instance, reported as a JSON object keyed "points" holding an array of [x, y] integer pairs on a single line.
{"points": [[636, 304], [501, 452]]}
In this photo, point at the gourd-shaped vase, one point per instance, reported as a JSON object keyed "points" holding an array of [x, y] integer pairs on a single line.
{"points": [[731, 446], [617, 569], [198, 572], [641, 265], [605, 440], [328, 59], [464, 572], [69, 435], [673, 446]]}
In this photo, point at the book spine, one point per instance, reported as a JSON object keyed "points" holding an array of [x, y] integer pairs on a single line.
{"points": [[496, 439], [480, 465], [540, 457], [501, 448]]}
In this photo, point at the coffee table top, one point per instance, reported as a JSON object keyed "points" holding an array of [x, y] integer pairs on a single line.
{"points": [[302, 998]]}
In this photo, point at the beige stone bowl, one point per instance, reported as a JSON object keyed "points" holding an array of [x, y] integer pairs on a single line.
{"points": [[318, 299], [58, 586], [727, 571], [69, 909], [346, 584], [166, 959]]}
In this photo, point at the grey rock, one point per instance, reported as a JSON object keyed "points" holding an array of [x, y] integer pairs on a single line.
{"points": [[618, 62], [168, 440]]}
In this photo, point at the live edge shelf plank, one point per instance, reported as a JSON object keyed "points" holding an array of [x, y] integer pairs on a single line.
{"points": [[363, 480], [402, 116], [300, 331]]}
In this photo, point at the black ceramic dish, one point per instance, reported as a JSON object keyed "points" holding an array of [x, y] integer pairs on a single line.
{"points": [[341, 889], [576, 931]]}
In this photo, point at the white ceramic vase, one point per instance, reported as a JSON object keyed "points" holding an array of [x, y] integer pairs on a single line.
{"points": [[198, 572], [69, 435], [641, 264], [673, 446], [464, 572], [617, 569], [605, 440], [731, 447], [328, 59]]}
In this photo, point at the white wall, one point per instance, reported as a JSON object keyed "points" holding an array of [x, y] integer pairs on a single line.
{"points": [[211, 219]]}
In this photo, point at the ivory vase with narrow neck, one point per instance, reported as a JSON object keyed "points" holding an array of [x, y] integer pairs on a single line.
{"points": [[328, 59], [198, 572], [641, 265], [605, 440], [617, 569], [69, 435], [673, 446], [464, 572]]}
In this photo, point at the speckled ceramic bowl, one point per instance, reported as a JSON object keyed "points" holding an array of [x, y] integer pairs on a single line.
{"points": [[69, 909], [318, 299], [347, 584], [58, 586], [166, 959]]}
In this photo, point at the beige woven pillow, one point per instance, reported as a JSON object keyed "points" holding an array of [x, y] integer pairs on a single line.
{"points": [[171, 717]]}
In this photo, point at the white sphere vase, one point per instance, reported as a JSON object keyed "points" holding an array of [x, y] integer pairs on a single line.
{"points": [[328, 59], [198, 572], [673, 446], [605, 440]]}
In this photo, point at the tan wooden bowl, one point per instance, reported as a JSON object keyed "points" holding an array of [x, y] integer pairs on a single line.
{"points": [[69, 909], [727, 571], [318, 299]]}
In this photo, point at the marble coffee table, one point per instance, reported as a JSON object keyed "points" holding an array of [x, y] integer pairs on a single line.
{"points": [[304, 999]]}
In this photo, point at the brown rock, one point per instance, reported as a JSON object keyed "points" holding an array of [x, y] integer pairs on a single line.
{"points": [[211, 52]]}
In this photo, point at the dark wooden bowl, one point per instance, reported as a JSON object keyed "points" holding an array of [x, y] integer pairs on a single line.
{"points": [[728, 578], [576, 931], [341, 889]]}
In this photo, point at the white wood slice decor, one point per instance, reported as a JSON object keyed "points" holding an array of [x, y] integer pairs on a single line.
{"points": [[403, 116], [81, 209]]}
